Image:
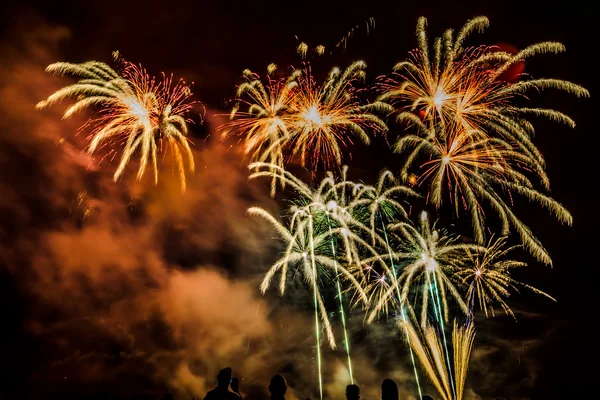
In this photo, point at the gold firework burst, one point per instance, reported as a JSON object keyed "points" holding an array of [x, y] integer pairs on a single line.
{"points": [[134, 108], [453, 85], [487, 277], [265, 123], [481, 171], [306, 248], [326, 117], [424, 256]]}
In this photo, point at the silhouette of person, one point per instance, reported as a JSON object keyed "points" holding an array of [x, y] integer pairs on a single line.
{"points": [[235, 386], [352, 392], [277, 387], [389, 390], [222, 392]]}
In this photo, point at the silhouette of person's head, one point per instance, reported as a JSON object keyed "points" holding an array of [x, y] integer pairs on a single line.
{"points": [[427, 397], [389, 390], [224, 378], [277, 387], [235, 385], [352, 392]]}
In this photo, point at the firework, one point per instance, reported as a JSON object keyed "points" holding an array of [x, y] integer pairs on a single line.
{"points": [[374, 203], [488, 279], [300, 250], [305, 244], [297, 114], [428, 347], [467, 121], [306, 247], [266, 122], [328, 209], [380, 201], [452, 85], [343, 42], [134, 109], [477, 171], [425, 255], [326, 117], [330, 204]]}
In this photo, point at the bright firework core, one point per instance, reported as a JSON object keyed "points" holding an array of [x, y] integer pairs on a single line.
{"points": [[137, 109], [314, 116], [439, 98], [430, 262]]}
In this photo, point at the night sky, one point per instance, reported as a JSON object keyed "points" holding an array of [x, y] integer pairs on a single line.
{"points": [[114, 302]]}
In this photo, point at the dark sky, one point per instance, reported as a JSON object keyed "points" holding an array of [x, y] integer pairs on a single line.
{"points": [[210, 43]]}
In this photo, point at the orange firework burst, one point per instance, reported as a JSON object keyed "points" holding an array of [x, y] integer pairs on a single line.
{"points": [[314, 122], [265, 125], [136, 111], [453, 86], [326, 117]]}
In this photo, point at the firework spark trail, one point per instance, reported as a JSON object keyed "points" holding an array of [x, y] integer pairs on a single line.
{"points": [[343, 42], [427, 345], [315, 291], [438, 311], [302, 48], [375, 199], [300, 243], [401, 306], [134, 108], [462, 342], [342, 314]]}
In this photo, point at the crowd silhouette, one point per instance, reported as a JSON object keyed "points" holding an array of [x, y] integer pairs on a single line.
{"points": [[228, 388], [278, 388]]}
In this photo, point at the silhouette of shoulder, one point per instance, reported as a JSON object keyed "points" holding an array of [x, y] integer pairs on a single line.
{"points": [[218, 394]]}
